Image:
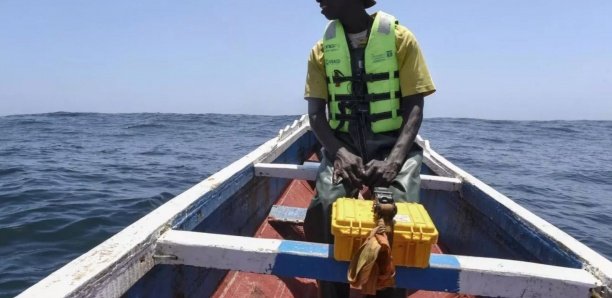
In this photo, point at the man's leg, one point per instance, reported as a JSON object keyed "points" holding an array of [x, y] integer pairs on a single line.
{"points": [[407, 184], [317, 225], [405, 187]]}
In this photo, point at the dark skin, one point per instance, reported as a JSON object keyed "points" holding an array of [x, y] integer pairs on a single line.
{"points": [[348, 166], [351, 13]]}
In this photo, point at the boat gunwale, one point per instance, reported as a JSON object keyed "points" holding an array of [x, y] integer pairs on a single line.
{"points": [[592, 261], [112, 267]]}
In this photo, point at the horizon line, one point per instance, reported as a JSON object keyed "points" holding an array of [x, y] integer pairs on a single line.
{"points": [[287, 115]]}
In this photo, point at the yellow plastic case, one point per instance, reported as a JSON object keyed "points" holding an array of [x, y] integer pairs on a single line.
{"points": [[352, 221]]}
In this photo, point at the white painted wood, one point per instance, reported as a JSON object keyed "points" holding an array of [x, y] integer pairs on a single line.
{"points": [[595, 263], [433, 164], [440, 183], [218, 251], [477, 276], [111, 268], [297, 124], [308, 171], [507, 278]]}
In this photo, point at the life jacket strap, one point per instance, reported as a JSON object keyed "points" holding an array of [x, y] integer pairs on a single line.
{"points": [[368, 97], [355, 113], [383, 115], [364, 78]]}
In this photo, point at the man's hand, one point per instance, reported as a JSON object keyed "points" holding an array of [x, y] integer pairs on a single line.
{"points": [[348, 167], [381, 172]]}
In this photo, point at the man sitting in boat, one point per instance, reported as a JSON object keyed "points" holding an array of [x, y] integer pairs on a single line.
{"points": [[370, 74]]}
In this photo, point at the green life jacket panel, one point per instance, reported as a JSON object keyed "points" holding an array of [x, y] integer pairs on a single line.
{"points": [[381, 77]]}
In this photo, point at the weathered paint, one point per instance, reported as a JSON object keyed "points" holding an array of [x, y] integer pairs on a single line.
{"points": [[287, 214], [220, 251], [431, 163], [523, 279], [542, 235], [243, 284], [465, 231], [516, 234], [469, 275], [308, 171], [240, 213], [195, 214]]}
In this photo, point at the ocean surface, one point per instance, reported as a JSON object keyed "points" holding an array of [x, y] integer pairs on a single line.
{"points": [[68, 181]]}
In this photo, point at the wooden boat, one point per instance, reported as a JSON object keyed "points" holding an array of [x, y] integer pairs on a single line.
{"points": [[201, 243]]}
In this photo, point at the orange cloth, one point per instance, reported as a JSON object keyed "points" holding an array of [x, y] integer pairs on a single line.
{"points": [[371, 268]]}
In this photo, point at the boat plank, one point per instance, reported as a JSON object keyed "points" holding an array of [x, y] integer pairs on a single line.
{"points": [[286, 214], [308, 171], [448, 273], [243, 284]]}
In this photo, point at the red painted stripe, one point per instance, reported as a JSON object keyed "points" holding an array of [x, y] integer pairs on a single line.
{"points": [[241, 284]]}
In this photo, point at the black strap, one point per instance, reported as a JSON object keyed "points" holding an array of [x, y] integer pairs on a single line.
{"points": [[362, 78], [368, 97], [338, 80], [372, 118], [343, 116], [382, 116], [380, 76], [356, 110]]}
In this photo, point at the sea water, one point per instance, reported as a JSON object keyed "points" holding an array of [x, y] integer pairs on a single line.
{"points": [[68, 181]]}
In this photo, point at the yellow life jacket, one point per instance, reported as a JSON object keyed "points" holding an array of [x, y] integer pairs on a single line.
{"points": [[381, 103]]}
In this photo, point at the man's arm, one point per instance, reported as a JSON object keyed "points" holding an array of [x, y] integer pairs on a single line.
{"points": [[412, 112], [382, 172], [346, 165]]}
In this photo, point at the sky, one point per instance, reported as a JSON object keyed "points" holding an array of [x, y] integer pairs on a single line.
{"points": [[515, 60]]}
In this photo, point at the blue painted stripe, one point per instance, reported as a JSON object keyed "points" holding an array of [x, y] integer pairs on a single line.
{"points": [[446, 261], [305, 248], [315, 260], [516, 234], [442, 275], [311, 260]]}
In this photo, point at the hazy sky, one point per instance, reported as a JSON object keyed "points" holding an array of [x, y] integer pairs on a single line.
{"points": [[489, 59]]}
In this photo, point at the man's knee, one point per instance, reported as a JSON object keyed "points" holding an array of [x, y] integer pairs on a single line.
{"points": [[406, 186], [315, 222]]}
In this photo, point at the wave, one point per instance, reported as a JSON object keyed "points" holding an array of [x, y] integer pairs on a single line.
{"points": [[10, 171], [146, 126]]}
